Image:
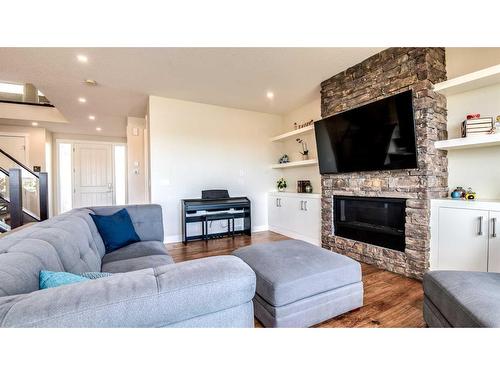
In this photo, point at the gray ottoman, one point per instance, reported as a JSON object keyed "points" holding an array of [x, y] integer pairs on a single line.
{"points": [[462, 299], [299, 284]]}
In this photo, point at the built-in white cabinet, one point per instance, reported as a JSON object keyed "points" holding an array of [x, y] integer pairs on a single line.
{"points": [[494, 242], [465, 235], [296, 215]]}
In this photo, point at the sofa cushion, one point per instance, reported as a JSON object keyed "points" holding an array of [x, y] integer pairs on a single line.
{"points": [[290, 270], [136, 250], [465, 299], [116, 230], [136, 256], [139, 263]]}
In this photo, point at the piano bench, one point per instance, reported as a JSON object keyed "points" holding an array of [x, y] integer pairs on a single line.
{"points": [[215, 217]]}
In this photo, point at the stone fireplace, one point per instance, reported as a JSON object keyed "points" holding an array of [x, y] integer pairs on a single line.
{"points": [[389, 72]]}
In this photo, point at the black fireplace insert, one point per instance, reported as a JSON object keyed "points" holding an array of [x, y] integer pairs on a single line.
{"points": [[374, 220]]}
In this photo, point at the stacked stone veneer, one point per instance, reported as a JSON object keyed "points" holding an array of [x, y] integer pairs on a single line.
{"points": [[392, 71]]}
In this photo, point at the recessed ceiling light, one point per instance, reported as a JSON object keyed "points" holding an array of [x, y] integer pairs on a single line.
{"points": [[82, 100], [34, 123], [90, 82], [98, 129], [92, 117], [82, 58], [270, 95]]}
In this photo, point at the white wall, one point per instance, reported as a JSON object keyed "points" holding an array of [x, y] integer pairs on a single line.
{"points": [[49, 151], [478, 167], [198, 146], [305, 113], [136, 163], [36, 143]]}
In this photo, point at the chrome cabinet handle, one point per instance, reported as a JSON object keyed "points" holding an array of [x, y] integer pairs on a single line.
{"points": [[279, 200], [494, 229], [277, 205], [302, 205], [480, 232], [305, 205]]}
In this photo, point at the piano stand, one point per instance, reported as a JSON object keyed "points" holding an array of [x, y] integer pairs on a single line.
{"points": [[216, 217], [204, 210]]}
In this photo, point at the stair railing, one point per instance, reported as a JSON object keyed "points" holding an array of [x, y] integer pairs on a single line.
{"points": [[15, 192]]}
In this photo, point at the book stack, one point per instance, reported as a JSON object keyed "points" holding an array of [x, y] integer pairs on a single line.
{"points": [[478, 126]]}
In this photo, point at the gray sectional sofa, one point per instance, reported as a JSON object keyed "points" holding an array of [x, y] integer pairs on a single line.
{"points": [[148, 289]]}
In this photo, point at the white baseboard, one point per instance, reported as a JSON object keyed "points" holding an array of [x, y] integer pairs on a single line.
{"points": [[173, 239], [260, 228], [296, 236], [178, 237]]}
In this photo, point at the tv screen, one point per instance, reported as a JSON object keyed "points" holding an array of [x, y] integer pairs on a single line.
{"points": [[374, 137]]}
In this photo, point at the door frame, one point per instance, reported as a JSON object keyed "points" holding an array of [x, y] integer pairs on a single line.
{"points": [[26, 137], [72, 142]]}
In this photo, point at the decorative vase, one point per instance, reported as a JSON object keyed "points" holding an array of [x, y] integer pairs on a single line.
{"points": [[309, 189], [456, 194], [281, 189]]}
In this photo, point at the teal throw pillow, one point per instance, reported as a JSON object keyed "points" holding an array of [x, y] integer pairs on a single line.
{"points": [[49, 279]]}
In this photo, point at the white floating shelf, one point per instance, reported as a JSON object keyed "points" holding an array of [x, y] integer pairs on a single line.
{"points": [[488, 140], [292, 133], [294, 164], [475, 80]]}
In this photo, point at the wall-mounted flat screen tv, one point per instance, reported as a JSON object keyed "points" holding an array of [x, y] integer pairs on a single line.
{"points": [[374, 137]]}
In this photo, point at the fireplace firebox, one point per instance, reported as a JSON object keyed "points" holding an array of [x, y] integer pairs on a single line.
{"points": [[374, 220]]}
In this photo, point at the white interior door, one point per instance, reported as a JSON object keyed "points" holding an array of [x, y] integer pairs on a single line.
{"points": [[15, 146], [93, 175]]}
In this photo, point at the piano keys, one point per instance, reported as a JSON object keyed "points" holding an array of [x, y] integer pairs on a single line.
{"points": [[195, 211]]}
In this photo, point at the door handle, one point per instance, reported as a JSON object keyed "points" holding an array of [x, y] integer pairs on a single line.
{"points": [[277, 204], [302, 205], [305, 205], [494, 228], [480, 232]]}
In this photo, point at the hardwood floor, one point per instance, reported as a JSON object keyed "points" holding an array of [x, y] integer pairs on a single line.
{"points": [[390, 300]]}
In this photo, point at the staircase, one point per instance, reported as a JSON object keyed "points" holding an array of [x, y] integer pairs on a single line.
{"points": [[23, 194]]}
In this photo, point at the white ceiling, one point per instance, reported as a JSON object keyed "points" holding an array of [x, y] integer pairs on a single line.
{"points": [[231, 77]]}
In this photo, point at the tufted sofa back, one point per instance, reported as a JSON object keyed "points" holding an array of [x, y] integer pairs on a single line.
{"points": [[69, 242]]}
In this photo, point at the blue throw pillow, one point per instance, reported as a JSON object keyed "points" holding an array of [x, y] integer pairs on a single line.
{"points": [[116, 230], [49, 279]]}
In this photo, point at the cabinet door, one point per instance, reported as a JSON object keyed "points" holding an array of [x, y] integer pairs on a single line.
{"points": [[310, 219], [285, 215], [274, 211], [494, 244], [463, 239]]}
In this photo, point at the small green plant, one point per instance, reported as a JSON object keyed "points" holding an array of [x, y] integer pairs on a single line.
{"points": [[281, 184]]}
